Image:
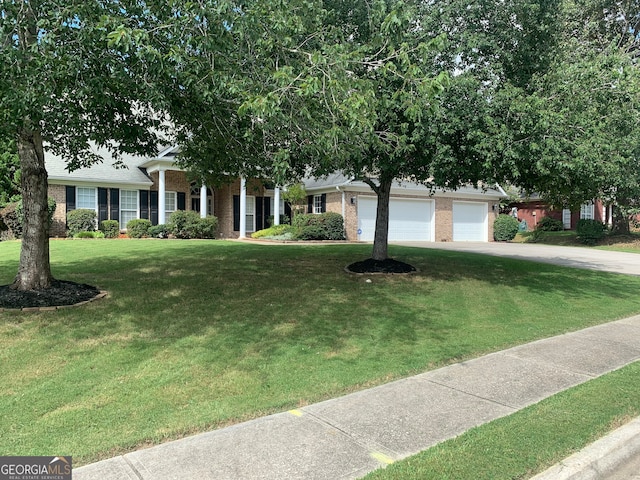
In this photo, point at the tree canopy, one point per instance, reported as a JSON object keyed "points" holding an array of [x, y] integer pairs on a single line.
{"points": [[9, 172], [63, 86]]}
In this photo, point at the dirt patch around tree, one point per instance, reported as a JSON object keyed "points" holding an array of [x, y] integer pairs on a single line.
{"points": [[61, 293], [389, 266]]}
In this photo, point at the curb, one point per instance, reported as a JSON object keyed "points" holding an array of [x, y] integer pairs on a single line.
{"points": [[100, 295], [600, 458]]}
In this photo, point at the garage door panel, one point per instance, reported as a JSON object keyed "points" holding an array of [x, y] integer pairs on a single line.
{"points": [[408, 219], [470, 222]]}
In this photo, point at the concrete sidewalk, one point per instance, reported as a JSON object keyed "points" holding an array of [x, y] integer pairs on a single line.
{"points": [[350, 436]]}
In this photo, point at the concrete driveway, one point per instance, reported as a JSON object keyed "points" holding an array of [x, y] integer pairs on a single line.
{"points": [[578, 257]]}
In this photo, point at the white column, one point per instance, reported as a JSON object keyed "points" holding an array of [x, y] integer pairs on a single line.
{"points": [[161, 194], [243, 207], [276, 206], [203, 201]]}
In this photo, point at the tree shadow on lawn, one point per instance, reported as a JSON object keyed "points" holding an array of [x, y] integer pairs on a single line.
{"points": [[254, 289], [204, 317]]}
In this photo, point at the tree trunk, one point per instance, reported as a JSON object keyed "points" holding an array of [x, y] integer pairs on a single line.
{"points": [[34, 271], [381, 238], [621, 221]]}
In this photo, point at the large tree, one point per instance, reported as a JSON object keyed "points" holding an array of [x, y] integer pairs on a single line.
{"points": [[9, 172], [382, 90], [431, 113], [575, 134], [63, 87]]}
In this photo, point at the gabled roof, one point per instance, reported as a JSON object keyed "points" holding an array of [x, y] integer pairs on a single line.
{"points": [[104, 172], [342, 182]]}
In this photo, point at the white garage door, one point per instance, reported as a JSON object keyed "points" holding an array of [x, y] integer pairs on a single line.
{"points": [[409, 219], [470, 221]]}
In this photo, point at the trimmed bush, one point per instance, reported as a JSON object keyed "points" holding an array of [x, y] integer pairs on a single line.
{"points": [[85, 234], [548, 224], [138, 228], [590, 231], [284, 219], [110, 228], [11, 222], [325, 226], [158, 231], [12, 217], [207, 227], [275, 231], [505, 228], [188, 224], [81, 220]]}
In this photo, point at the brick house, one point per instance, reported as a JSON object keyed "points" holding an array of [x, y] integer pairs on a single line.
{"points": [[415, 213], [533, 209], [153, 188]]}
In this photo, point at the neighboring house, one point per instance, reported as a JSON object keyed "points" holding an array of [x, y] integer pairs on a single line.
{"points": [[153, 188], [532, 209]]}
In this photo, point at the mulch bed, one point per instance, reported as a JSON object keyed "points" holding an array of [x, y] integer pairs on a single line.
{"points": [[61, 293], [380, 266]]}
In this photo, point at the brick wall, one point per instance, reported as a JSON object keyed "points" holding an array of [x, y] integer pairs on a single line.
{"points": [[223, 204], [59, 224]]}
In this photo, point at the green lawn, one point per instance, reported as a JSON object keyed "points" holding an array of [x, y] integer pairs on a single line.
{"points": [[531, 440], [195, 335], [619, 243]]}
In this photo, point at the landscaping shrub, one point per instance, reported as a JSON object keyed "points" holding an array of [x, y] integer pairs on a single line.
{"points": [[81, 220], [158, 231], [505, 228], [110, 228], [138, 228], [325, 226], [284, 219], [590, 231], [86, 234], [188, 224], [275, 231], [536, 236], [311, 232], [548, 224], [12, 225], [12, 217], [206, 227]]}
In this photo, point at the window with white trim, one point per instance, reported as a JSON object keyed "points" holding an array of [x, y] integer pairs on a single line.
{"points": [[317, 204], [128, 207], [170, 203], [87, 197], [587, 211], [251, 213]]}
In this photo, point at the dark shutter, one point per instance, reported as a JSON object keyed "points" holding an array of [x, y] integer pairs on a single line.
{"points": [[324, 203], [144, 204], [236, 213], [103, 207], [153, 206], [267, 211], [287, 210], [309, 203], [182, 201], [259, 213], [115, 204], [71, 198]]}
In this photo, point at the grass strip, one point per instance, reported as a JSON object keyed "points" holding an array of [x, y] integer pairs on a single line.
{"points": [[531, 440], [195, 335]]}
